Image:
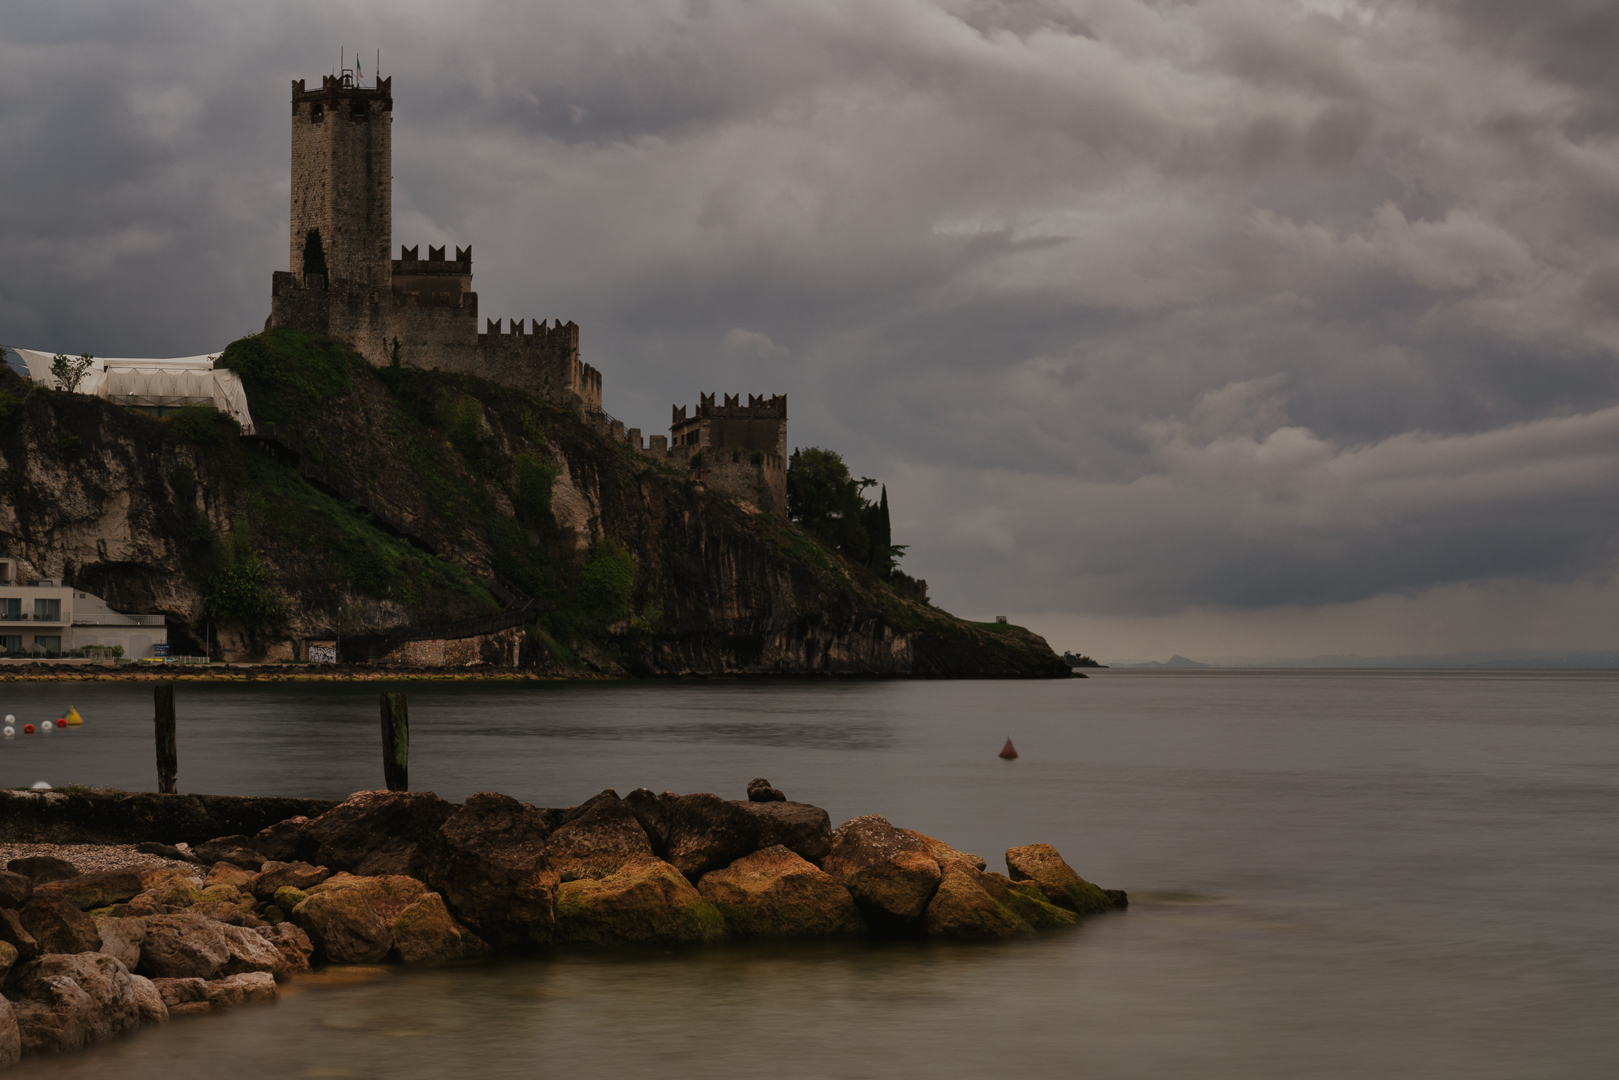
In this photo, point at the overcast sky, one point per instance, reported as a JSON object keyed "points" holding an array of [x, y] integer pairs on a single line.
{"points": [[1247, 326]]}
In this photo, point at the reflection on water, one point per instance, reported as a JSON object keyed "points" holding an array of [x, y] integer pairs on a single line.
{"points": [[1335, 874]]}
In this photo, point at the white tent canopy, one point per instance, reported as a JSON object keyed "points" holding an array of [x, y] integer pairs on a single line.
{"points": [[184, 380]]}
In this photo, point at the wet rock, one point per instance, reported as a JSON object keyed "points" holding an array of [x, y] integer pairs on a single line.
{"points": [[652, 811], [183, 997], [349, 919], [152, 1008], [183, 945], [646, 901], [776, 893], [962, 907], [59, 926], [599, 840], [278, 875], [944, 854], [248, 952], [1119, 897], [1041, 864], [42, 868], [234, 991], [167, 851], [375, 832], [10, 1037], [426, 933], [13, 933], [285, 841], [94, 890], [707, 832], [122, 938], [67, 1002], [890, 872], [491, 864], [1024, 899], [293, 945], [759, 790], [15, 889], [800, 827]]}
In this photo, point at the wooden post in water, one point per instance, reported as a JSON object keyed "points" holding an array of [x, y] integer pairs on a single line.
{"points": [[168, 758], [395, 742]]}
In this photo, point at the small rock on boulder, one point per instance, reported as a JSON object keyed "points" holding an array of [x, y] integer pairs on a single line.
{"points": [[183, 945], [759, 790], [349, 918], [15, 889], [1041, 864], [646, 901], [491, 864], [776, 893], [59, 926], [42, 868], [890, 872], [707, 832], [374, 833], [68, 1002], [599, 840]]}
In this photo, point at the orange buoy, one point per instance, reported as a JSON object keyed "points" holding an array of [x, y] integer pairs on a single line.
{"points": [[1008, 752]]}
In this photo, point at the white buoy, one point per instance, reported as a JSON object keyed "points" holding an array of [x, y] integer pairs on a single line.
{"points": [[10, 731], [40, 785], [46, 726], [10, 719]]}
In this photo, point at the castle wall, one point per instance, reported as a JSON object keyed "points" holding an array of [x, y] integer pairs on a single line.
{"points": [[734, 472], [342, 178]]}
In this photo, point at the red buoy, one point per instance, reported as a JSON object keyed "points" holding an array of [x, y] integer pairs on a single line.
{"points": [[28, 729], [62, 723], [1008, 752]]}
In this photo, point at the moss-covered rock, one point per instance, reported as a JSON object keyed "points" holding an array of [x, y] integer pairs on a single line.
{"points": [[350, 919], [426, 933], [962, 907], [1025, 900], [1041, 864], [891, 872], [647, 901], [776, 893]]}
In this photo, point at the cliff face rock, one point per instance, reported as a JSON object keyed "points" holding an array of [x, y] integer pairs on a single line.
{"points": [[383, 504]]}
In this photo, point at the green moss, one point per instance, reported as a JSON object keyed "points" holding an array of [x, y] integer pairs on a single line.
{"points": [[290, 376], [202, 424]]}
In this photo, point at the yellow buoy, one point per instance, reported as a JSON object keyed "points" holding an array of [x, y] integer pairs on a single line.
{"points": [[73, 718]]}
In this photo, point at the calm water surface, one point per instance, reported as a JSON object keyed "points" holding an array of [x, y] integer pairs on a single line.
{"points": [[1333, 874]]}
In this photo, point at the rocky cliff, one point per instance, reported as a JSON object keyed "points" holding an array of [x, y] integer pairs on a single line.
{"points": [[381, 505]]}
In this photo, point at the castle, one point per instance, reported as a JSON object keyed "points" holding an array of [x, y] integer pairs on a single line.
{"points": [[341, 282]]}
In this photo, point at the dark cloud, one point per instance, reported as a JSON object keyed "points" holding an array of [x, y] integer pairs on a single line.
{"points": [[1140, 307]]}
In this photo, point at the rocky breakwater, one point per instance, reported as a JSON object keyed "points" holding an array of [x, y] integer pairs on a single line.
{"points": [[406, 877]]}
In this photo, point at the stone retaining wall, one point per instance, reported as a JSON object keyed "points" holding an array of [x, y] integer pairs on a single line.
{"points": [[118, 817]]}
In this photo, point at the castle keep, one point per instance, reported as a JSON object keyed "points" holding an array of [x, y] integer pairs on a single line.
{"points": [[341, 283]]}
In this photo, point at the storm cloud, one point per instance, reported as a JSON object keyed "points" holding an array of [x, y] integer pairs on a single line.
{"points": [[1143, 310]]}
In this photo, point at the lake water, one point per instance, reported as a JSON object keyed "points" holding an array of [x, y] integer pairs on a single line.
{"points": [[1333, 874]]}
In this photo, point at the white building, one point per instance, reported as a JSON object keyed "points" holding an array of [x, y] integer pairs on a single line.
{"points": [[157, 387], [41, 617]]}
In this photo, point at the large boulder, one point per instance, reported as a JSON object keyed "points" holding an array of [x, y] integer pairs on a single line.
{"points": [[13, 933], [944, 854], [646, 901], [776, 893], [183, 997], [426, 933], [278, 875], [249, 952], [599, 840], [350, 919], [42, 868], [374, 833], [170, 887], [122, 938], [227, 874], [15, 890], [95, 890], [799, 827], [962, 907], [10, 1037], [67, 1002], [59, 926], [234, 991], [652, 811], [707, 832], [292, 943], [890, 872], [152, 1008], [1041, 864], [491, 864], [183, 945]]}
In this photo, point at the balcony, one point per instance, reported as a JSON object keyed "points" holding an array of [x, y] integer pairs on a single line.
{"points": [[117, 619]]}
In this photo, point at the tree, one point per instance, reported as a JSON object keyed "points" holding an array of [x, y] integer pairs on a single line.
{"points": [[70, 372], [826, 500]]}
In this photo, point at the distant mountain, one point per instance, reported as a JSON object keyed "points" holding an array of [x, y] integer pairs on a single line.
{"points": [[1176, 661], [1501, 660]]}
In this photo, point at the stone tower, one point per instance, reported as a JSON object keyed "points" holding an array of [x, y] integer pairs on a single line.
{"points": [[342, 177]]}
